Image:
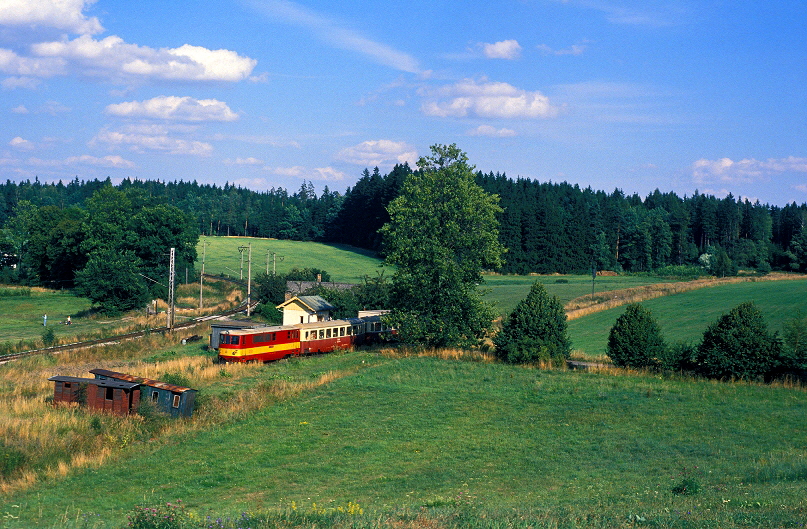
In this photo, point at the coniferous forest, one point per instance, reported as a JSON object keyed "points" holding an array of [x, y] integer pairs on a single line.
{"points": [[546, 227]]}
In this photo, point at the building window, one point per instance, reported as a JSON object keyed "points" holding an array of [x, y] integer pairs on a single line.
{"points": [[67, 385], [154, 396], [176, 401], [109, 393]]}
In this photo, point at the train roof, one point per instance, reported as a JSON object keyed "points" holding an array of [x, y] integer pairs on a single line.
{"points": [[259, 330], [328, 323]]}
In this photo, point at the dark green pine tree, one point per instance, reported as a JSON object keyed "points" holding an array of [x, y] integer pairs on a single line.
{"points": [[635, 339], [536, 331]]}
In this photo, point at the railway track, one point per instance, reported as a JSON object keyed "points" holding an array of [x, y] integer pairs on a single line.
{"points": [[132, 335]]}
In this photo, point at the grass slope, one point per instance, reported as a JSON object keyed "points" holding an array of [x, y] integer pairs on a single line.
{"points": [[343, 263], [413, 431], [22, 317], [684, 317]]}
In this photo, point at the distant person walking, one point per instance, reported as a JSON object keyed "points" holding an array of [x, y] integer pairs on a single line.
{"points": [[45, 321]]}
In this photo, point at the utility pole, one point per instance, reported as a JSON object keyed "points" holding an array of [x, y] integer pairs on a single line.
{"points": [[249, 272], [171, 273], [275, 257], [202, 275]]}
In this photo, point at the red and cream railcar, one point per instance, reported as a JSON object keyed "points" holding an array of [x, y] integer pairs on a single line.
{"points": [[273, 343], [259, 345]]}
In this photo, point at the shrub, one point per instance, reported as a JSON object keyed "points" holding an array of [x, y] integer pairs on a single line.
{"points": [[535, 331], [160, 516], [635, 339], [738, 345], [48, 337]]}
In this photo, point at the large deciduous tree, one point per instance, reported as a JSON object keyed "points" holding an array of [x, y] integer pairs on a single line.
{"points": [[442, 233], [535, 331]]}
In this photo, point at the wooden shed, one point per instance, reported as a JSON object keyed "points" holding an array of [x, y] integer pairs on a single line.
{"points": [[177, 401], [305, 309], [114, 396]]}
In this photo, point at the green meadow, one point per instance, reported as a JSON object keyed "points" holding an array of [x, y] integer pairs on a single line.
{"points": [[436, 442], [23, 316], [344, 263], [684, 317]]}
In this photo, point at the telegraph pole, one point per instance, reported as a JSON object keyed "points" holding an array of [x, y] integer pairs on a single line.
{"points": [[249, 272], [202, 275], [171, 272], [275, 257]]}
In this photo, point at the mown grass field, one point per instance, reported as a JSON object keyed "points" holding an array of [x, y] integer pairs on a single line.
{"points": [[343, 263], [22, 317], [495, 442], [684, 317]]}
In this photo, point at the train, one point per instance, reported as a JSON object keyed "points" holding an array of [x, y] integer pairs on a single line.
{"points": [[265, 344]]}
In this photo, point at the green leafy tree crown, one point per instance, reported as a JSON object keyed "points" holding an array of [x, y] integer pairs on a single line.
{"points": [[442, 233]]}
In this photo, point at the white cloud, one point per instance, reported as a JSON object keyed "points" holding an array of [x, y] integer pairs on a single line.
{"points": [[12, 83], [575, 49], [243, 161], [487, 99], [746, 170], [14, 64], [487, 130], [332, 32], [20, 109], [328, 174], [111, 56], [65, 15], [381, 153], [109, 162], [151, 140], [21, 144], [506, 49], [175, 108]]}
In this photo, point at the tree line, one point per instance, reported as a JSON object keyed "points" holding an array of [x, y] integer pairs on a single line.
{"points": [[546, 227]]}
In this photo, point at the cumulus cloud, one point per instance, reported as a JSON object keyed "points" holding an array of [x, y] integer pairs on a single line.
{"points": [[506, 49], [20, 109], [381, 153], [13, 64], [21, 144], [112, 56], [155, 139], [575, 49], [175, 108], [66, 15], [487, 99], [328, 174], [745, 170], [487, 130]]}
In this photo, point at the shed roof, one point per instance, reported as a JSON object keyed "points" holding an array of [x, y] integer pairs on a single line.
{"points": [[138, 380], [120, 384], [312, 303]]}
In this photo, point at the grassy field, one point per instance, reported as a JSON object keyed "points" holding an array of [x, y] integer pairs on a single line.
{"points": [[22, 316], [683, 317], [507, 291], [390, 432], [343, 263]]}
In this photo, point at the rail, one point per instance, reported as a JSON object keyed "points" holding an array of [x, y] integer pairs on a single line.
{"points": [[136, 334]]}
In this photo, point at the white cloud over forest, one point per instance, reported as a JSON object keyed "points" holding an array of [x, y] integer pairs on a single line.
{"points": [[381, 153], [175, 108], [486, 99], [745, 170]]}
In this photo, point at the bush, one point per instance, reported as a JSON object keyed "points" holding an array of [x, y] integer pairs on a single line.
{"points": [[48, 337], [535, 331], [635, 339], [738, 345], [161, 516]]}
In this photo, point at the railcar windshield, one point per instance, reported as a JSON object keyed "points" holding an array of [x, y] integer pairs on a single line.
{"points": [[226, 339]]}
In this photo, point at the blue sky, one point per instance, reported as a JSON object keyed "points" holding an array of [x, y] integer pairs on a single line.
{"points": [[679, 95]]}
